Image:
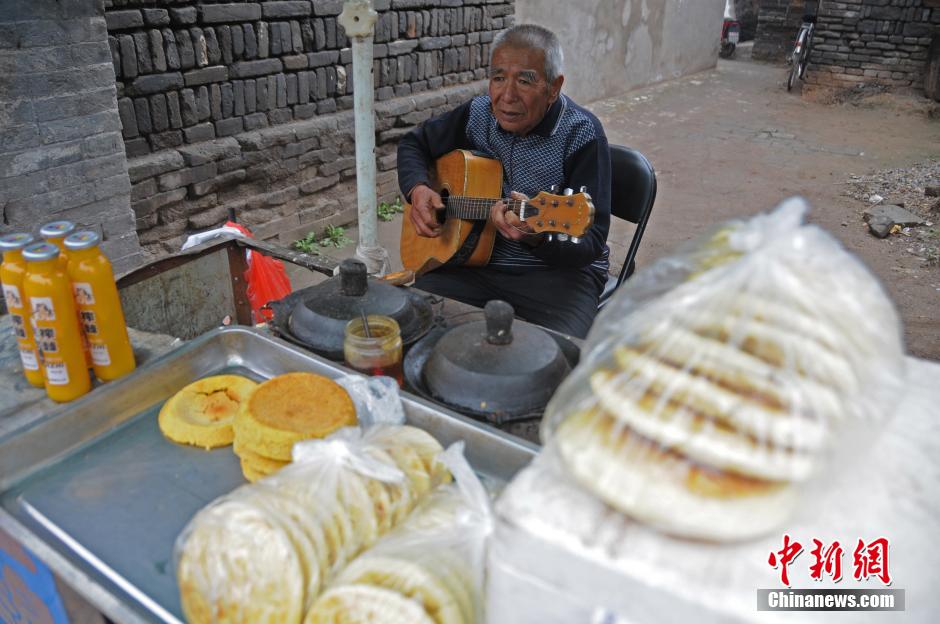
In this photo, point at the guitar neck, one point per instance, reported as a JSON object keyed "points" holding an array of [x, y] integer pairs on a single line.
{"points": [[476, 208]]}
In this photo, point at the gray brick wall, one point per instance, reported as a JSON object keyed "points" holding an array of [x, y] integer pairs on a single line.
{"points": [[883, 43], [61, 150], [195, 75], [282, 181]]}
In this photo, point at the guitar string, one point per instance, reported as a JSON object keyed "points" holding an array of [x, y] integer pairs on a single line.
{"points": [[479, 208], [464, 207]]}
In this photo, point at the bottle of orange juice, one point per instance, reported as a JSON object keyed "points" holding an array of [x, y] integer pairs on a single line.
{"points": [[99, 306], [12, 272], [55, 232], [48, 297]]}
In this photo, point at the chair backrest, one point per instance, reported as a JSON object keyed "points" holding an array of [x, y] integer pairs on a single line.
{"points": [[633, 192]]}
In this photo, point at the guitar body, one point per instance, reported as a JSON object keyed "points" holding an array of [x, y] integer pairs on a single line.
{"points": [[458, 173]]}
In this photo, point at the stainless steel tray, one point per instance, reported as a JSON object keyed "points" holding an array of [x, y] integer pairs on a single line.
{"points": [[100, 495]]}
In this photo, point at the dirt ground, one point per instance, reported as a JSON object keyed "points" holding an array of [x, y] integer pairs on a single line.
{"points": [[733, 142]]}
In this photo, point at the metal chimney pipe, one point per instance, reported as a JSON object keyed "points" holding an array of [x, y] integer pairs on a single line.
{"points": [[358, 19]]}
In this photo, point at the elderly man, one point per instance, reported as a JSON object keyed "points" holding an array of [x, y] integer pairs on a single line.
{"points": [[542, 138]]}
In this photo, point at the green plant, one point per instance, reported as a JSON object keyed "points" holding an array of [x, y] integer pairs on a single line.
{"points": [[334, 236], [387, 211], [307, 244]]}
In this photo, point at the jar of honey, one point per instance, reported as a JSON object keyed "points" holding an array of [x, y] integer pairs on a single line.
{"points": [[372, 345], [12, 272]]}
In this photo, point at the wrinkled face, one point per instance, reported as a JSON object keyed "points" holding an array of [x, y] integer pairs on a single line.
{"points": [[518, 89]]}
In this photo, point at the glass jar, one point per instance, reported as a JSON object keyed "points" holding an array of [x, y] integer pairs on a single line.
{"points": [[376, 352]]}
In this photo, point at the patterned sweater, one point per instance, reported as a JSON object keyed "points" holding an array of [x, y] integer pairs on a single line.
{"points": [[568, 148]]}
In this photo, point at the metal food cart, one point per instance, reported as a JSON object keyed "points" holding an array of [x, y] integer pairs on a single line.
{"points": [[94, 489]]}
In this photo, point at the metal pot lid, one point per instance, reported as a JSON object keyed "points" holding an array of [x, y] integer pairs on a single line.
{"points": [[495, 366], [316, 316]]}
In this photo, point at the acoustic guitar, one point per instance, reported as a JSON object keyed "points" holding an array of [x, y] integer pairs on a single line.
{"points": [[469, 185]]}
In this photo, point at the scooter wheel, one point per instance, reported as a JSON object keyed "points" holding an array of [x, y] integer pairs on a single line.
{"points": [[727, 50]]}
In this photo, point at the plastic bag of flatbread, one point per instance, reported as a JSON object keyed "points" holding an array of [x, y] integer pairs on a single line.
{"points": [[722, 379], [428, 571], [263, 552]]}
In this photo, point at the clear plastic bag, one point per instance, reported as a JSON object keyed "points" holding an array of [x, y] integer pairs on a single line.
{"points": [[428, 570], [377, 399], [263, 552], [723, 377]]}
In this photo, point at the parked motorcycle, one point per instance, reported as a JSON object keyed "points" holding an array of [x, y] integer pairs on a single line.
{"points": [[730, 31]]}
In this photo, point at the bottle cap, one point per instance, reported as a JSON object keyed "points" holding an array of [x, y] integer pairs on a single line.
{"points": [[37, 252], [86, 239], [56, 229], [12, 242]]}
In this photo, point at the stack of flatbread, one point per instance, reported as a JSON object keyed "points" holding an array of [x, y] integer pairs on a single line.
{"points": [[283, 411], [262, 421], [263, 553], [420, 574], [702, 406]]}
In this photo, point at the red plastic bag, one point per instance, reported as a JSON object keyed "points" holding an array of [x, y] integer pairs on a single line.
{"points": [[267, 280]]}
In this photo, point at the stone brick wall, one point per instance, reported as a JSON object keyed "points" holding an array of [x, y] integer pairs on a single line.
{"points": [[746, 11], [243, 105], [61, 153], [873, 42], [778, 21], [282, 181], [883, 43]]}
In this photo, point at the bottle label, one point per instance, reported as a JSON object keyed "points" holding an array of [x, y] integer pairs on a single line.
{"points": [[45, 339], [89, 322], [57, 373], [12, 295], [30, 362], [84, 295], [42, 308], [19, 326], [100, 355]]}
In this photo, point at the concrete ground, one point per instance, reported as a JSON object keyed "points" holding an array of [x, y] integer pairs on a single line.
{"points": [[733, 142]]}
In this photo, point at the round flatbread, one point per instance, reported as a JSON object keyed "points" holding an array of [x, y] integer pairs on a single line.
{"points": [[302, 529], [665, 489], [251, 474], [289, 408], [259, 462], [699, 436], [408, 578], [364, 604], [202, 413], [420, 441], [238, 564]]}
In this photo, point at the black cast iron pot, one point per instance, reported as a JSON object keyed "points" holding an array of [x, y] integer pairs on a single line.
{"points": [[491, 369], [316, 317]]}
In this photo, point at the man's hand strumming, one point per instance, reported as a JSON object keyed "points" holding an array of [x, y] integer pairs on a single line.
{"points": [[424, 202]]}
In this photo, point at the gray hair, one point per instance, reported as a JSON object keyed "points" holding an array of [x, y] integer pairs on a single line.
{"points": [[533, 37]]}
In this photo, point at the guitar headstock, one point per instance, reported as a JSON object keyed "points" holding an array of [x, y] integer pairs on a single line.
{"points": [[570, 214]]}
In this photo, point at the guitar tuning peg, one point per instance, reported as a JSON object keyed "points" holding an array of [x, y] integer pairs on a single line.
{"points": [[583, 189], [562, 236], [575, 240], [549, 237], [554, 189], [568, 191]]}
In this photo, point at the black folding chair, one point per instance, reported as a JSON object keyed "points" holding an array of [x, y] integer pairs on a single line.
{"points": [[633, 192]]}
